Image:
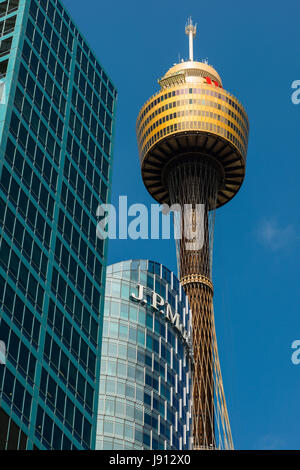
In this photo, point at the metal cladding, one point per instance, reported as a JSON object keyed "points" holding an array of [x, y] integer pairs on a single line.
{"points": [[192, 139]]}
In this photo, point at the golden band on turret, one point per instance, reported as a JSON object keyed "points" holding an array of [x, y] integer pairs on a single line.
{"points": [[197, 278]]}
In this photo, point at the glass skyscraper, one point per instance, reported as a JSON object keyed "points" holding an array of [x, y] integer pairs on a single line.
{"points": [[146, 360], [56, 131]]}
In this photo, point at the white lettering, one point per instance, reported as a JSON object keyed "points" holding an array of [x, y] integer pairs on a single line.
{"points": [[173, 318], [296, 354], [140, 222], [140, 295], [157, 302], [106, 228], [296, 94]]}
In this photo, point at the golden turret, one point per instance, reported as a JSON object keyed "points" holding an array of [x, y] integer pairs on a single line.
{"points": [[192, 113]]}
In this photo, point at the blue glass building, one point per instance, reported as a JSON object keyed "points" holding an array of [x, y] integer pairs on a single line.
{"points": [[146, 360], [56, 130]]}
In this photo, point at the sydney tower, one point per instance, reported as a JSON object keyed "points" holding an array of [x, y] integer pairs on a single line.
{"points": [[192, 137]]}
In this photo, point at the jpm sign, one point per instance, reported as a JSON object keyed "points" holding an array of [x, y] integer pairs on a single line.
{"points": [[157, 302]]}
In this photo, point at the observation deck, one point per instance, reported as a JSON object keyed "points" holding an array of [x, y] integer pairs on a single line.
{"points": [[192, 115]]}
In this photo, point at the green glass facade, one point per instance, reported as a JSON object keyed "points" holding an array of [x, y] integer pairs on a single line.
{"points": [[57, 108], [146, 360]]}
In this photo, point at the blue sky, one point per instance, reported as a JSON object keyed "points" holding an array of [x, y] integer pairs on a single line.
{"points": [[255, 48]]}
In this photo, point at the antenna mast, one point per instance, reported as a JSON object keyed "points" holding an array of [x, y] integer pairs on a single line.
{"points": [[190, 31]]}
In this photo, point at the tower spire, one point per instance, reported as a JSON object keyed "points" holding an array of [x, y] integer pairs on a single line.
{"points": [[190, 31]]}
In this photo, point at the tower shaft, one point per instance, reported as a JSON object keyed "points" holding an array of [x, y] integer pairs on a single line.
{"points": [[193, 184], [200, 298]]}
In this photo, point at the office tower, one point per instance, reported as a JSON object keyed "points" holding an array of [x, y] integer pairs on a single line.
{"points": [[146, 360], [56, 126], [192, 138]]}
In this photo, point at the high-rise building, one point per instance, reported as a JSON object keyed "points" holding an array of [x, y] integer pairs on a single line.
{"points": [[56, 132], [192, 138], [146, 360]]}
